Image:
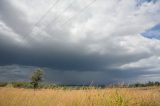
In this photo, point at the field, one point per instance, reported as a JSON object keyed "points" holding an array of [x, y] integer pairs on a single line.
{"points": [[90, 97]]}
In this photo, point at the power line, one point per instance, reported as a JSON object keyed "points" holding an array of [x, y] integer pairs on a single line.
{"points": [[47, 12], [55, 18], [80, 11], [44, 15], [87, 6]]}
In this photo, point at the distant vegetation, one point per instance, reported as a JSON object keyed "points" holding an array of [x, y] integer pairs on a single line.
{"points": [[51, 85], [150, 83], [37, 78]]}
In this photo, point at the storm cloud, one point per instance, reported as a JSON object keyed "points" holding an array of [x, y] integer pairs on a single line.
{"points": [[79, 41]]}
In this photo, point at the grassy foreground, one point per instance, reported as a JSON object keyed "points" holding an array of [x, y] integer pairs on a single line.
{"points": [[90, 97]]}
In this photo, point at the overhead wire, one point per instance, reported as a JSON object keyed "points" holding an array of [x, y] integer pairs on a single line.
{"points": [[44, 15], [69, 19], [56, 18], [87, 6], [47, 12]]}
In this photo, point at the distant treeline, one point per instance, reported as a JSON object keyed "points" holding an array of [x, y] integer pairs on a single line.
{"points": [[25, 85], [147, 84], [42, 85], [51, 85], [150, 83]]}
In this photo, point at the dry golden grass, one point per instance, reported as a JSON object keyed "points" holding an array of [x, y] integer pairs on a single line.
{"points": [[91, 97]]}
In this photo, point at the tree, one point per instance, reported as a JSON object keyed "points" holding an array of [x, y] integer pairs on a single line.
{"points": [[36, 78]]}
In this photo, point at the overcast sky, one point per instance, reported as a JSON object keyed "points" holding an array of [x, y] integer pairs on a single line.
{"points": [[80, 41]]}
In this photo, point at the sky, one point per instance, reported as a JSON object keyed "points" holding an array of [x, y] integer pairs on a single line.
{"points": [[79, 41]]}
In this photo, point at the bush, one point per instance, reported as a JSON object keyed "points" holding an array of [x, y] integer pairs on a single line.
{"points": [[3, 84], [21, 85]]}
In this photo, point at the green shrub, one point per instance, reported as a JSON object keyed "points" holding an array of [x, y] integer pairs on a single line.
{"points": [[3, 84], [21, 85]]}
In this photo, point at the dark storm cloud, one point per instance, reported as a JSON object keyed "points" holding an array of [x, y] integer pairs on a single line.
{"points": [[66, 58]]}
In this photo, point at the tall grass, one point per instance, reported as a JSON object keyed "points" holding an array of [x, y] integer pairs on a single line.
{"points": [[88, 97]]}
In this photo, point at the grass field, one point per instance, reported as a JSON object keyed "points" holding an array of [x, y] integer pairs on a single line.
{"points": [[90, 97]]}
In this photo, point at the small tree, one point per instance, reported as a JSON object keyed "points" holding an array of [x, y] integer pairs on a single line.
{"points": [[36, 78]]}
